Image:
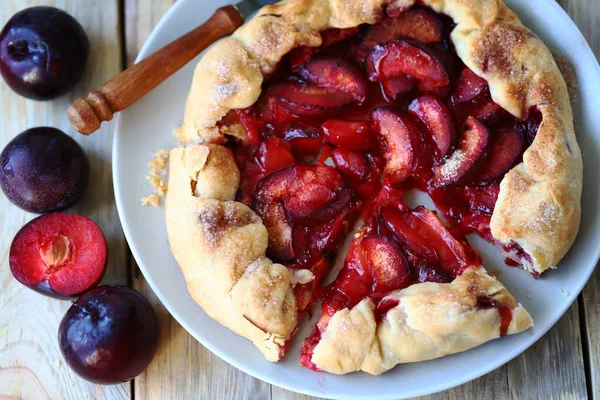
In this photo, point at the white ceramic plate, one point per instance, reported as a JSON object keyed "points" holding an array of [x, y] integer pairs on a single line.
{"points": [[147, 126]]}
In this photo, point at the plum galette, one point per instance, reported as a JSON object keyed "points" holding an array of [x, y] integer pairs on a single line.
{"points": [[310, 124]]}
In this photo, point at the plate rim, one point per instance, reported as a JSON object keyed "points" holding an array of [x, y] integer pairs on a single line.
{"points": [[431, 389]]}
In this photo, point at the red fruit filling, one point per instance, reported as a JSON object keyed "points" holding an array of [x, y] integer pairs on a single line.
{"points": [[394, 88], [436, 117], [399, 57], [400, 139], [342, 131], [473, 144], [335, 73], [60, 255], [469, 86]]}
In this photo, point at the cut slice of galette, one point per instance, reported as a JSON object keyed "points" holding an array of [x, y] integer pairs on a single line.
{"points": [[318, 116], [411, 290]]}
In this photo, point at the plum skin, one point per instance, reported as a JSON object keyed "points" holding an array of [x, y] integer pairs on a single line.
{"points": [[43, 170], [43, 52], [109, 335]]}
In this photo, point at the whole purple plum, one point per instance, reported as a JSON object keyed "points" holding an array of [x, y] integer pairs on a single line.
{"points": [[43, 52], [43, 170], [109, 335]]}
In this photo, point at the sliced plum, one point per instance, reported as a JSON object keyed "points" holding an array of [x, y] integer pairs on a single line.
{"points": [[507, 147], [417, 24], [336, 35], [487, 110], [305, 140], [352, 164], [395, 222], [59, 255], [473, 144], [335, 73], [469, 86], [324, 229], [293, 193], [274, 154], [374, 266], [303, 99], [401, 140], [351, 135], [437, 118], [398, 57], [426, 273], [452, 250], [387, 264], [395, 87], [532, 125]]}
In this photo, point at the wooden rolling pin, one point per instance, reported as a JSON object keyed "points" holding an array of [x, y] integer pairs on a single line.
{"points": [[129, 86]]}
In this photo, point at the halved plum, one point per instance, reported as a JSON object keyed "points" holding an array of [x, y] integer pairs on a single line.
{"points": [[416, 24], [401, 138], [293, 193], [59, 255], [469, 86], [305, 140], [394, 87], [507, 147], [335, 73], [437, 118], [398, 57], [473, 144], [274, 154], [303, 99], [351, 135]]}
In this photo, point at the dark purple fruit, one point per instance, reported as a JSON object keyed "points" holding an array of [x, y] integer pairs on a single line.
{"points": [[43, 170], [109, 335], [43, 51]]}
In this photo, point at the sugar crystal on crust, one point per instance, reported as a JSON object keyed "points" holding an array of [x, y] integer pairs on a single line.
{"points": [[218, 218], [449, 169]]}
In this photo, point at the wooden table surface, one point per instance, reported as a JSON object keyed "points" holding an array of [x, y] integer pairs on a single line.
{"points": [[565, 363]]}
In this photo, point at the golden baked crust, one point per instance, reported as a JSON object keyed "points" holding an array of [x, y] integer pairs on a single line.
{"points": [[431, 320], [220, 244]]}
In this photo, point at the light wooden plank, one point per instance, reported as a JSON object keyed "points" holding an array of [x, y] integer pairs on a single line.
{"points": [[586, 14], [30, 361], [206, 376], [553, 367]]}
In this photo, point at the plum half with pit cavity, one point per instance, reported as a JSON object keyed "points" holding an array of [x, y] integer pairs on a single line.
{"points": [[59, 255]]}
